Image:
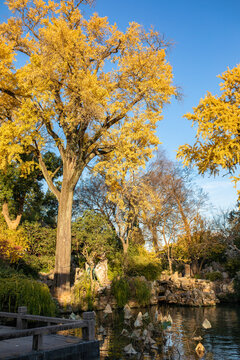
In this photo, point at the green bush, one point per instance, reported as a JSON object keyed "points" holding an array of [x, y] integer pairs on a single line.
{"points": [[115, 266], [141, 291], [32, 264], [233, 266], [121, 291], [137, 289], [16, 290], [83, 294], [141, 262], [214, 276]]}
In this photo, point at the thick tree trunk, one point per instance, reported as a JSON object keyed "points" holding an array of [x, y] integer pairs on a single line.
{"points": [[63, 245], [12, 224]]}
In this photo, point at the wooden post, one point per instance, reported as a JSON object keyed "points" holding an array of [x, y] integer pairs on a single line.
{"points": [[21, 323], [88, 332], [37, 342]]}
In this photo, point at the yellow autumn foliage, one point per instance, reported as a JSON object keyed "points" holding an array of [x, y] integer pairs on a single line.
{"points": [[217, 119], [13, 244]]}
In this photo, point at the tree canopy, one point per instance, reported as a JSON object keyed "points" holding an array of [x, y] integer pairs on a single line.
{"points": [[217, 119], [88, 89]]}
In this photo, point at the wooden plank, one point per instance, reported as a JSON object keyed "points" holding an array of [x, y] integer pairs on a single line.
{"points": [[53, 320], [43, 330]]}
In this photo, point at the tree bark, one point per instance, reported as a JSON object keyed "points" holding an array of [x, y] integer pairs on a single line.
{"points": [[125, 246], [63, 244], [12, 224]]}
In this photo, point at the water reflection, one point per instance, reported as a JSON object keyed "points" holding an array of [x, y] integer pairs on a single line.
{"points": [[221, 342]]}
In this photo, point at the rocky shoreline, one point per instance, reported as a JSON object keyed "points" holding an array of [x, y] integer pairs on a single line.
{"points": [[176, 290]]}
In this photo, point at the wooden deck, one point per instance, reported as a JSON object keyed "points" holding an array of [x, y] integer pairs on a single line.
{"points": [[44, 342], [53, 347]]}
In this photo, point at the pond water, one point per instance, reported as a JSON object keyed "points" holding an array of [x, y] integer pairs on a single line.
{"points": [[222, 341]]}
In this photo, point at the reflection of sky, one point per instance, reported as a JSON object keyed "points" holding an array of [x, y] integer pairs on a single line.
{"points": [[205, 36], [222, 340]]}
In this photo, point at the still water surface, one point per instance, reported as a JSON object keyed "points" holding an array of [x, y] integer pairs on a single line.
{"points": [[222, 341]]}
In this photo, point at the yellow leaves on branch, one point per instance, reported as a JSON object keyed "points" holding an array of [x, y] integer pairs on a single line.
{"points": [[218, 128], [89, 87]]}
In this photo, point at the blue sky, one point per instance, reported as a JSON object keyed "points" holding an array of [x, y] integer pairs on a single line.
{"points": [[205, 36]]}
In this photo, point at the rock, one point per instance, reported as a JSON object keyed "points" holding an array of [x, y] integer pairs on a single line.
{"points": [[130, 350], [101, 329], [197, 338], [125, 332], [145, 333], [127, 312], [225, 275], [145, 316], [138, 322], [200, 350], [101, 272], [206, 324], [169, 318], [72, 316], [149, 340], [175, 276], [108, 309], [136, 334], [150, 326]]}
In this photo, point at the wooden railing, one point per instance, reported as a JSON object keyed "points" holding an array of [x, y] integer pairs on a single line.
{"points": [[87, 325]]}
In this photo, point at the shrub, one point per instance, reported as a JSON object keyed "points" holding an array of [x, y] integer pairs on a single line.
{"points": [[214, 276], [83, 293], [121, 291], [143, 263], [136, 289], [16, 290], [233, 266], [13, 244], [141, 291], [115, 266]]}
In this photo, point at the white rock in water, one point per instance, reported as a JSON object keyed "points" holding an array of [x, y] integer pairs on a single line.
{"points": [[126, 307], [145, 333], [138, 321], [130, 350], [136, 334], [206, 324], [72, 316], [108, 309], [149, 340], [150, 327], [145, 316], [125, 332], [127, 312], [101, 329], [169, 319]]}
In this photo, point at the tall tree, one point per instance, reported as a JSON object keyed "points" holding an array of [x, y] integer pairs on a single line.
{"points": [[217, 118], [178, 204], [88, 89]]}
